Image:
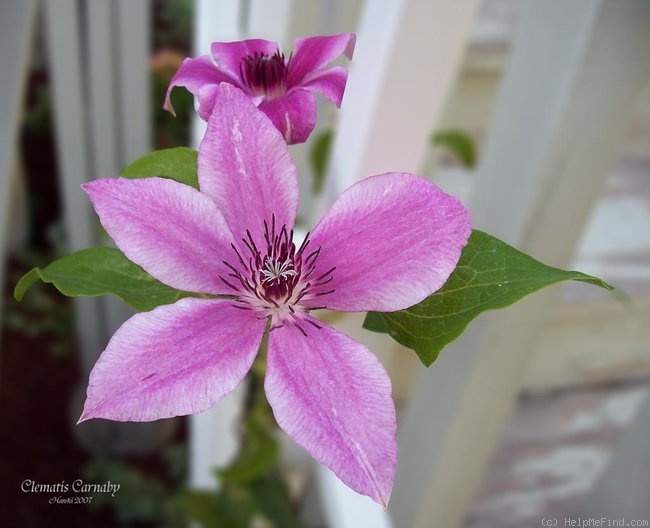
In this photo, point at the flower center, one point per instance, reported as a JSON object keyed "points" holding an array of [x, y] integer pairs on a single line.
{"points": [[265, 74], [277, 270], [277, 280]]}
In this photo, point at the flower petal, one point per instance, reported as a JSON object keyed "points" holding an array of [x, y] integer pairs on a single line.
{"points": [[313, 53], [394, 240], [177, 359], [333, 397], [245, 167], [206, 96], [329, 82], [294, 115], [173, 231], [195, 74], [229, 55]]}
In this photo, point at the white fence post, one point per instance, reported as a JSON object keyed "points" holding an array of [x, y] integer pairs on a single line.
{"points": [[101, 105], [270, 20], [134, 51], [213, 434], [567, 94], [132, 40], [16, 22], [406, 60], [102, 87], [64, 47], [622, 491], [103, 35]]}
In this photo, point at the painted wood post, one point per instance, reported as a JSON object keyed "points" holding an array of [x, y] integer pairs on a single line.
{"points": [[567, 94], [132, 106], [16, 23], [213, 434], [133, 72], [102, 121], [318, 17], [223, 22], [270, 20], [102, 88], [407, 57], [68, 98], [106, 122], [624, 487]]}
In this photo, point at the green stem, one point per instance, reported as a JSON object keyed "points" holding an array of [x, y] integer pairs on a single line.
{"points": [[255, 405], [253, 482], [258, 426]]}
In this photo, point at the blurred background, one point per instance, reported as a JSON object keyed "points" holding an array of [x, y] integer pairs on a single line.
{"points": [[536, 113]]}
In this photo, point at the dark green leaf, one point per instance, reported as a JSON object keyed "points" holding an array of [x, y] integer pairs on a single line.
{"points": [[459, 143], [141, 499], [101, 271], [207, 509], [375, 322], [177, 163], [258, 456], [271, 496], [490, 275], [235, 504], [319, 156]]}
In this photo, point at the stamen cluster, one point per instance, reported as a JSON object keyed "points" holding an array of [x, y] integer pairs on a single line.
{"points": [[265, 74], [277, 279]]}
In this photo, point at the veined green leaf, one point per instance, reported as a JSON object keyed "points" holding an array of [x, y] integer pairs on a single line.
{"points": [[177, 163], [490, 275], [101, 271]]}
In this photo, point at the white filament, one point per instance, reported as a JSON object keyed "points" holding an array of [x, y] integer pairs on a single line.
{"points": [[274, 269]]}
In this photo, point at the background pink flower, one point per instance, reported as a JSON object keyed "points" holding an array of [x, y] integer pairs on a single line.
{"points": [[387, 243], [281, 87]]}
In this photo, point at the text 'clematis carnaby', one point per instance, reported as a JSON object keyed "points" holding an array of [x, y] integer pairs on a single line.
{"points": [[281, 88], [387, 243]]}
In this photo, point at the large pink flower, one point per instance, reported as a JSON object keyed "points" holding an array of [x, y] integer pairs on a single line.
{"points": [[387, 243], [281, 88]]}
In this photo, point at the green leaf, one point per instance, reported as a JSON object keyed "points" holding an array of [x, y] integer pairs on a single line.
{"points": [[177, 163], [490, 275], [319, 156], [141, 499], [202, 507], [258, 455], [235, 505], [375, 322], [100, 271], [272, 498], [459, 143]]}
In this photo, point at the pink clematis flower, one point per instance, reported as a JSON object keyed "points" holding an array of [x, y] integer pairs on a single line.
{"points": [[387, 243], [281, 88]]}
